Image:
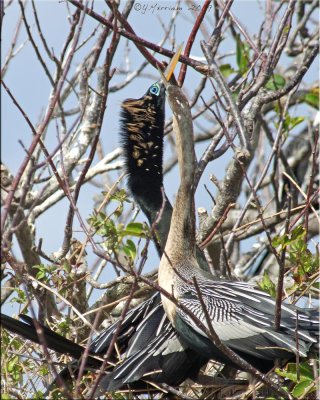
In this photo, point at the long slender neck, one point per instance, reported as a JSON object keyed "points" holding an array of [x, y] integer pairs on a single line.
{"points": [[142, 143], [181, 238], [143, 164]]}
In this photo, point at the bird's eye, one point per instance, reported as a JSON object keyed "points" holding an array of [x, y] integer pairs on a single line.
{"points": [[155, 89]]}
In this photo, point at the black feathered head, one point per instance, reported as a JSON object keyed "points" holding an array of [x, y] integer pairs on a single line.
{"points": [[142, 129]]}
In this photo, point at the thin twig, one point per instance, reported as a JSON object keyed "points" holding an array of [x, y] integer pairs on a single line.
{"points": [[140, 41], [234, 110], [191, 39], [277, 314], [50, 109]]}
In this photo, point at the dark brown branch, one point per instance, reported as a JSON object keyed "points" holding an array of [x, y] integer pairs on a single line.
{"points": [[42, 38], [112, 5], [191, 39], [200, 67], [241, 29], [312, 176], [35, 47], [216, 228], [216, 36]]}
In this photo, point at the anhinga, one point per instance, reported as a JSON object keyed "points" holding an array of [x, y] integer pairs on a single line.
{"points": [[242, 316], [146, 336], [155, 350]]}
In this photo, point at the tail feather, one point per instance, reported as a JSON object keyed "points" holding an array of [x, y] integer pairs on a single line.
{"points": [[54, 341], [165, 359]]}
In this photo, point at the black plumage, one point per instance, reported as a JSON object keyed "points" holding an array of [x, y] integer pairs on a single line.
{"points": [[152, 349], [52, 340], [141, 135], [142, 126], [155, 353]]}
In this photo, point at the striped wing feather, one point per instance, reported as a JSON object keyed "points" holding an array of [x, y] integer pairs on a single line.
{"points": [[243, 318], [160, 361], [101, 343]]}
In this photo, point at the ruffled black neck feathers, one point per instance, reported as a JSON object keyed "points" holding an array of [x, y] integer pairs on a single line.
{"points": [[142, 126]]}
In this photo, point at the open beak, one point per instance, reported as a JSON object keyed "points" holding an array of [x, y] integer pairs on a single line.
{"points": [[174, 61]]}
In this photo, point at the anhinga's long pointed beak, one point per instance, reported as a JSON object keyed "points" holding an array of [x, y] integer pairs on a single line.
{"points": [[174, 61]]}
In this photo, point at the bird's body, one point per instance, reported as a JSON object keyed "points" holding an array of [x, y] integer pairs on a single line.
{"points": [[241, 316], [154, 350]]}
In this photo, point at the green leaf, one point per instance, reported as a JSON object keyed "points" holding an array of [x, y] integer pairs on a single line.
{"points": [[16, 344], [295, 121], [301, 389], [290, 372], [290, 122], [291, 239], [277, 241], [316, 285], [119, 195], [106, 228], [298, 232], [312, 98], [273, 398], [275, 82], [267, 285], [304, 262], [130, 249], [44, 370], [226, 70], [64, 326], [39, 395], [242, 55], [21, 299], [14, 368], [97, 219], [289, 375], [119, 210], [118, 396], [306, 372], [40, 275], [134, 229]]}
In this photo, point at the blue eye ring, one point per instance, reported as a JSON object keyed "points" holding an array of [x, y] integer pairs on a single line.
{"points": [[155, 89]]}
